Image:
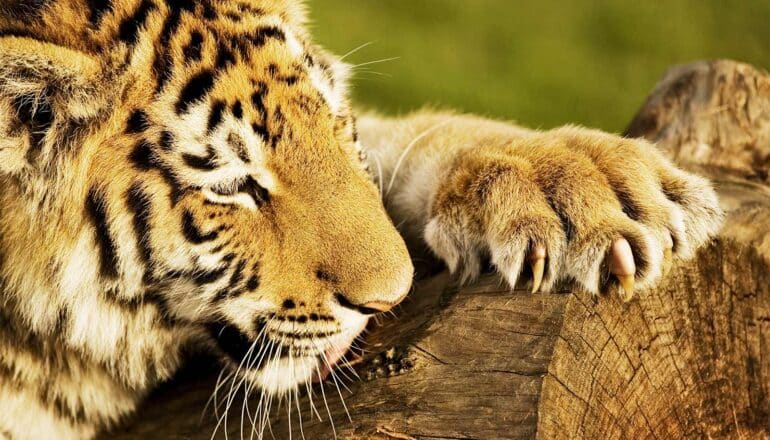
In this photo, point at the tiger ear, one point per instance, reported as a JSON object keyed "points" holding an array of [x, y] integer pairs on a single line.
{"points": [[44, 88]]}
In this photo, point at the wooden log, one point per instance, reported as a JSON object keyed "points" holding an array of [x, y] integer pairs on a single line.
{"points": [[689, 359]]}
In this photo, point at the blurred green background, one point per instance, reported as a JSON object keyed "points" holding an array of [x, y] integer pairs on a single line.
{"points": [[541, 63]]}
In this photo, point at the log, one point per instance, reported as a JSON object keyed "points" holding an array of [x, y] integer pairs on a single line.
{"points": [[689, 359]]}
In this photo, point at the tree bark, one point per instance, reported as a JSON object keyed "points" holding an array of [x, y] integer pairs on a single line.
{"points": [[689, 359]]}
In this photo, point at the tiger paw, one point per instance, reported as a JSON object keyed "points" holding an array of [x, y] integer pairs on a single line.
{"points": [[570, 204]]}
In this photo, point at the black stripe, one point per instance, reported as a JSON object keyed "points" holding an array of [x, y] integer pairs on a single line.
{"points": [[166, 141], [137, 122], [257, 192], [205, 163], [242, 45], [238, 109], [237, 273], [164, 63], [257, 99], [210, 276], [129, 28], [221, 295], [253, 282], [260, 130], [261, 36], [191, 231], [179, 6], [215, 117], [209, 13], [288, 79], [225, 57], [276, 128], [144, 159], [96, 208], [142, 156], [98, 9], [192, 52], [163, 67], [195, 89], [139, 204]]}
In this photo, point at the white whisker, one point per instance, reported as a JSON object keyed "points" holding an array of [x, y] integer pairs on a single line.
{"points": [[299, 413], [351, 52], [408, 148], [383, 60], [310, 399], [336, 385], [326, 403]]}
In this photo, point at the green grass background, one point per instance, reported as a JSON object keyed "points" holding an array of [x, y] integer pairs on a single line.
{"points": [[542, 63]]}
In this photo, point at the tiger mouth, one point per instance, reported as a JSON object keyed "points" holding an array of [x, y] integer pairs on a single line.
{"points": [[327, 349]]}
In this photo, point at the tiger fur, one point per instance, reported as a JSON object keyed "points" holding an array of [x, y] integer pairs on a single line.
{"points": [[182, 175]]}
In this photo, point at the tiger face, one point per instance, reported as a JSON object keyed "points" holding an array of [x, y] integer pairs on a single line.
{"points": [[271, 234], [227, 189]]}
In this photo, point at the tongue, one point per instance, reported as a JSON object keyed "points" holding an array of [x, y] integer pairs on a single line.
{"points": [[335, 353], [332, 355]]}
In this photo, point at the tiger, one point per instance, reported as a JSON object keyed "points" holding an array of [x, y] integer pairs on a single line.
{"points": [[190, 176]]}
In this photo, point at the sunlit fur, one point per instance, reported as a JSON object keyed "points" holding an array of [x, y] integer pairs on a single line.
{"points": [[187, 175]]}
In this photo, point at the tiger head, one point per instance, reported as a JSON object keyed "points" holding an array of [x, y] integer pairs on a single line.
{"points": [[215, 158]]}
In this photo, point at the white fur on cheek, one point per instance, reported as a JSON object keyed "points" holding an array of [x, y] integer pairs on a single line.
{"points": [[78, 281], [333, 94], [294, 45]]}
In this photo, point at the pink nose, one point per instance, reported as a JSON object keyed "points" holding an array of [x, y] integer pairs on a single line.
{"points": [[382, 306]]}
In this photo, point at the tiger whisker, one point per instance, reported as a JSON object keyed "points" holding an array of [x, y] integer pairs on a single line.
{"points": [[213, 397], [344, 361], [336, 384], [408, 148], [264, 401], [299, 412], [382, 60], [326, 403], [352, 51], [310, 400], [232, 393]]}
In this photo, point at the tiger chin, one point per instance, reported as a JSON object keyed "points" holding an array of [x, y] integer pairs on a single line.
{"points": [[189, 175]]}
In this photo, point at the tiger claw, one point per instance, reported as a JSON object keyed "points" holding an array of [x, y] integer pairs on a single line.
{"points": [[623, 266], [627, 283], [538, 267], [537, 259]]}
